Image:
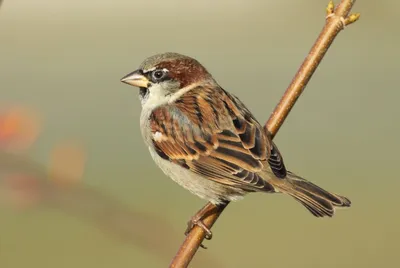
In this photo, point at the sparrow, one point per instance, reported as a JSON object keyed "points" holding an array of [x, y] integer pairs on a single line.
{"points": [[206, 140]]}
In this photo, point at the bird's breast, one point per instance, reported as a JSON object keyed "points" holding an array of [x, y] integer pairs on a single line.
{"points": [[145, 126]]}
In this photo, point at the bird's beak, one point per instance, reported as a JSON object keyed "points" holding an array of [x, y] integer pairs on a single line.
{"points": [[136, 79]]}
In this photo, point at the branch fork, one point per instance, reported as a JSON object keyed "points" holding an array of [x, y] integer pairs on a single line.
{"points": [[345, 20]]}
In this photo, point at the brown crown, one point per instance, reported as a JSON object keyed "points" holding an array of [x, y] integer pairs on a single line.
{"points": [[185, 70]]}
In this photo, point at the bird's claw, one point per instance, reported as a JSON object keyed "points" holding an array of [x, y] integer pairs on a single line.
{"points": [[193, 222]]}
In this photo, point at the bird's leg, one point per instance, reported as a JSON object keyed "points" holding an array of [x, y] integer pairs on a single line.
{"points": [[198, 218]]}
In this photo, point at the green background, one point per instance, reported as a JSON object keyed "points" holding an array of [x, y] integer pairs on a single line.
{"points": [[65, 59]]}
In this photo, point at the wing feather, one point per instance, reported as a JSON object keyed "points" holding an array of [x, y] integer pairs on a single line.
{"points": [[212, 133]]}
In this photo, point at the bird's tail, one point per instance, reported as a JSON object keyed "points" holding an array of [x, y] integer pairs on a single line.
{"points": [[317, 200]]}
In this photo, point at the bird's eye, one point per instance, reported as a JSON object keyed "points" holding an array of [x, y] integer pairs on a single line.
{"points": [[158, 75]]}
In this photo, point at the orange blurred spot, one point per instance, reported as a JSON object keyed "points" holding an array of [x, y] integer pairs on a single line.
{"points": [[19, 128], [67, 164]]}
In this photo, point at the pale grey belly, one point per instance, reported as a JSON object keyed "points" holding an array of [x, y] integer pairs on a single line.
{"points": [[204, 188]]}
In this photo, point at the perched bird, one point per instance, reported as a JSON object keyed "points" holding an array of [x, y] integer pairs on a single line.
{"points": [[206, 140]]}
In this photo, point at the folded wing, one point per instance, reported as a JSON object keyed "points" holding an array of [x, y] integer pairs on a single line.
{"points": [[213, 134]]}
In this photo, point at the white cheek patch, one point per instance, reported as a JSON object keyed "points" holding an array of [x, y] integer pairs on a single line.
{"points": [[157, 96], [158, 136]]}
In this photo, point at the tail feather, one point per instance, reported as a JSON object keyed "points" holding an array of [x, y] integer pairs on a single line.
{"points": [[317, 200]]}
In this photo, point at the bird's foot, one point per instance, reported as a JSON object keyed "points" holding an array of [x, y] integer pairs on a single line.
{"points": [[196, 220]]}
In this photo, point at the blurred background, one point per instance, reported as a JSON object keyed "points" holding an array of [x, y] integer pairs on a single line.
{"points": [[79, 189]]}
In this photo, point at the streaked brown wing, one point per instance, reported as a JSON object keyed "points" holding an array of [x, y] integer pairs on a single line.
{"points": [[212, 133], [275, 162]]}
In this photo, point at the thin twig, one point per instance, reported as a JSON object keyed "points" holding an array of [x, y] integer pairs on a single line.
{"points": [[336, 20]]}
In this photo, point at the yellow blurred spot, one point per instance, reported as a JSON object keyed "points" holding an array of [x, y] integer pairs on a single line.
{"points": [[67, 164]]}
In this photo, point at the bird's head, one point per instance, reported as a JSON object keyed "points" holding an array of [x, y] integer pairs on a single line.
{"points": [[166, 74]]}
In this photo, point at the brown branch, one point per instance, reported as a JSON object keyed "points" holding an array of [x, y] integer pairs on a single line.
{"points": [[336, 19]]}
